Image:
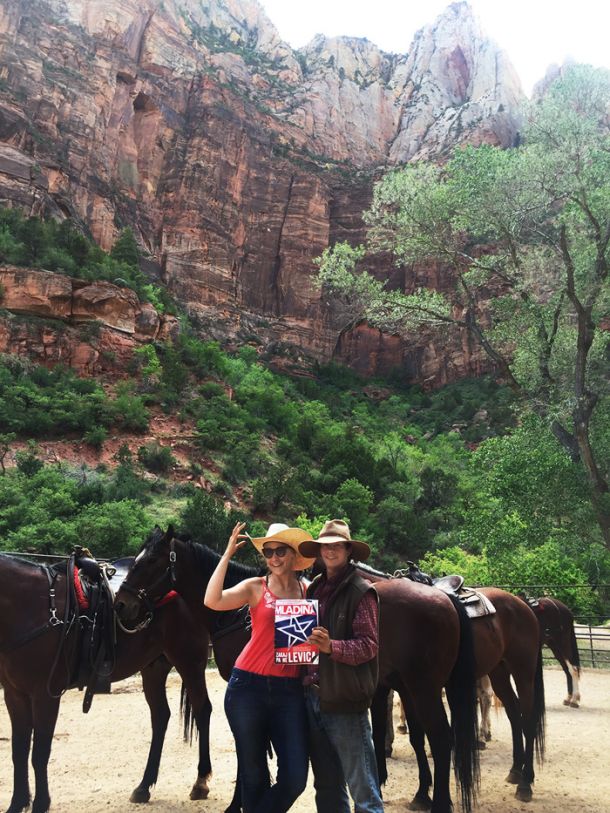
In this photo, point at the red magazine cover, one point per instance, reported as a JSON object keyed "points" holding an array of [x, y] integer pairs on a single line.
{"points": [[294, 621]]}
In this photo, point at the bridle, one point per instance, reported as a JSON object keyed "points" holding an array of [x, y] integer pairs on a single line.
{"points": [[147, 597]]}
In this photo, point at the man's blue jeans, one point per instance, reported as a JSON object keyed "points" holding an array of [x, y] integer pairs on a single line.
{"points": [[261, 710], [341, 751]]}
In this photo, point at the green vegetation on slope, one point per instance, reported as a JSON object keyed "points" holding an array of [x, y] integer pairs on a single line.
{"points": [[401, 467]]}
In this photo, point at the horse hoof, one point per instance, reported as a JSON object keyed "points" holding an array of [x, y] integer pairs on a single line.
{"points": [[420, 803], [140, 796], [199, 792], [481, 746], [514, 776], [574, 704], [402, 729], [524, 793], [566, 702], [18, 807], [488, 738]]}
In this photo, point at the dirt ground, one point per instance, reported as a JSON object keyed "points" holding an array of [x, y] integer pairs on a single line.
{"points": [[98, 759]]}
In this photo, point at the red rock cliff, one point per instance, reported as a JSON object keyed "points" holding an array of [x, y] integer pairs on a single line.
{"points": [[235, 159]]}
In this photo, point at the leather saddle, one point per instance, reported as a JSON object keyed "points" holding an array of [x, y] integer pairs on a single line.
{"points": [[475, 603], [94, 586]]}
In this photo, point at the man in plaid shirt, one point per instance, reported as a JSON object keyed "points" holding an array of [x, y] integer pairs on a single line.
{"points": [[339, 690]]}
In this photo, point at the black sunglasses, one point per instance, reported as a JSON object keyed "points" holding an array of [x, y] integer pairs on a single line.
{"points": [[280, 551]]}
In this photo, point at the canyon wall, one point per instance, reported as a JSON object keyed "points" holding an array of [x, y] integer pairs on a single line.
{"points": [[236, 159]]}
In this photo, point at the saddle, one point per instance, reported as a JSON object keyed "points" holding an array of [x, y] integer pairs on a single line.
{"points": [[231, 621], [97, 636], [475, 603]]}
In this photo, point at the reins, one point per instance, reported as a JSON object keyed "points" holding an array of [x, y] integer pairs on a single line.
{"points": [[144, 596]]}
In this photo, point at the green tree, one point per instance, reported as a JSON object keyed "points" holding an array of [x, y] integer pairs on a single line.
{"points": [[125, 250], [530, 224]]}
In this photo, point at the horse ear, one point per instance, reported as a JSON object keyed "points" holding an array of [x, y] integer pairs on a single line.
{"points": [[170, 533]]}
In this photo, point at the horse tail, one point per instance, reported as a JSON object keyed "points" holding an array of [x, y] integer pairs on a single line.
{"points": [[462, 698], [539, 711], [186, 716], [574, 653]]}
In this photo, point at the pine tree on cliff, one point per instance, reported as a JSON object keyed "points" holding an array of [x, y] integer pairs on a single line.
{"points": [[126, 250]]}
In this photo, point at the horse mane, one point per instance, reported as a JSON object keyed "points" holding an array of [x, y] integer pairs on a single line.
{"points": [[371, 571], [206, 559]]}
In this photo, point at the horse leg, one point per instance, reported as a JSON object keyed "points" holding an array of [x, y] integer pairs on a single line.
{"points": [[201, 789], [421, 800], [402, 726], [530, 688], [154, 677], [45, 710], [19, 707], [500, 680], [379, 718], [193, 678], [433, 719], [484, 695], [389, 729], [574, 685]]}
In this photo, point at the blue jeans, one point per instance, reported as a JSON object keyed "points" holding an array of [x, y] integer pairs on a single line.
{"points": [[261, 710], [341, 752]]}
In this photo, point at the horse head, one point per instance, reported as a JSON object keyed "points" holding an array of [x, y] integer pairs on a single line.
{"points": [[154, 573]]}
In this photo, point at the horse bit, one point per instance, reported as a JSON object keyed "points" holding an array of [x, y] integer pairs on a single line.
{"points": [[143, 595]]}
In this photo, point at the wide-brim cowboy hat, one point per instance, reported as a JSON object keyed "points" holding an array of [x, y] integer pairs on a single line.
{"points": [[292, 538], [335, 530]]}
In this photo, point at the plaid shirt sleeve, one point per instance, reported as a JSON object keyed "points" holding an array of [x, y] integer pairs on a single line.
{"points": [[363, 646]]}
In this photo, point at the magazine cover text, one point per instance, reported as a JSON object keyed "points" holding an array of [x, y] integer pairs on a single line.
{"points": [[294, 621]]}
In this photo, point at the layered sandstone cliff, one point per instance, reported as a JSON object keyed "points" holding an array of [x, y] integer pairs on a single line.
{"points": [[236, 159], [93, 327]]}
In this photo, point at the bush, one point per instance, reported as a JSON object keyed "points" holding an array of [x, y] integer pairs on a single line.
{"points": [[156, 458], [28, 462], [205, 520], [96, 436]]}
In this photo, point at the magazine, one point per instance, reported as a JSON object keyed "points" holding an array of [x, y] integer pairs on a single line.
{"points": [[294, 622]]}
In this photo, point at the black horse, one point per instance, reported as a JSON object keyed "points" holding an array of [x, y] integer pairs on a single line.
{"points": [[168, 562], [39, 658]]}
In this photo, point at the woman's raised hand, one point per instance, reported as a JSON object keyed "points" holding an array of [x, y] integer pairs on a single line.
{"points": [[237, 540]]}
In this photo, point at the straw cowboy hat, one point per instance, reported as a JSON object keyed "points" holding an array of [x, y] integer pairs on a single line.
{"points": [[335, 530], [292, 538]]}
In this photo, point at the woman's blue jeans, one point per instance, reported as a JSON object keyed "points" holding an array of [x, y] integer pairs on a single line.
{"points": [[263, 710]]}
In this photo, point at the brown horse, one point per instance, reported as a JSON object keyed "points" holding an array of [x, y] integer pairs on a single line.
{"points": [[507, 644], [425, 645], [410, 618], [38, 660], [557, 628]]}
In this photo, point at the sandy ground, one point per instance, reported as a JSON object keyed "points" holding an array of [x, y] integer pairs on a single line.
{"points": [[99, 758]]}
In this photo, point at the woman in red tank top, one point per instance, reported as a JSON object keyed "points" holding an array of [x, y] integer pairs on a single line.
{"points": [[264, 700]]}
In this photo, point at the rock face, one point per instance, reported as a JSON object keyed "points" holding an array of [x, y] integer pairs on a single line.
{"points": [[235, 159], [92, 327]]}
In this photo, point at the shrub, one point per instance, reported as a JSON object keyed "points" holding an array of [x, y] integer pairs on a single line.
{"points": [[156, 458], [96, 436]]}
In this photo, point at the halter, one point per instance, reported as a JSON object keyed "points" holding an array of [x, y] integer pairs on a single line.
{"points": [[144, 596]]}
